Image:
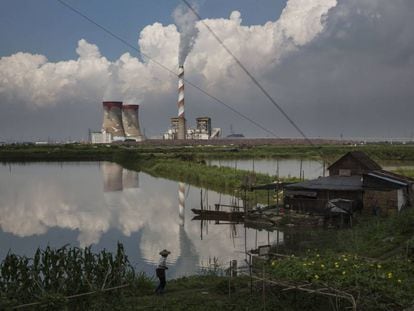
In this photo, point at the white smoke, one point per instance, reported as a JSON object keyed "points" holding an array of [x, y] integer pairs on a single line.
{"points": [[36, 82], [305, 58], [186, 20]]}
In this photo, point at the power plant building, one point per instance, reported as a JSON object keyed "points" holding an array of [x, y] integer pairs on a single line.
{"points": [[120, 123], [203, 130]]}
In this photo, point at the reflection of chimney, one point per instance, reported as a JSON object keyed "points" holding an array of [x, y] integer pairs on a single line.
{"points": [[181, 202], [130, 122], [130, 179], [181, 132], [188, 261], [112, 120], [112, 176]]}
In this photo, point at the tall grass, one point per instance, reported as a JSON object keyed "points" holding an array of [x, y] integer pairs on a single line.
{"points": [[53, 274]]}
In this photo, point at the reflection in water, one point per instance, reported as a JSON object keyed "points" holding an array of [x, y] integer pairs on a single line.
{"points": [[100, 203], [116, 178], [181, 202], [112, 176], [130, 179]]}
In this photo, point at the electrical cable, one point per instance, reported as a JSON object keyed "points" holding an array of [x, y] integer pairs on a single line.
{"points": [[165, 67], [255, 81]]}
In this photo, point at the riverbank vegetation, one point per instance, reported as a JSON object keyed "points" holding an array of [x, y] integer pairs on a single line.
{"points": [[370, 265], [372, 262], [82, 152]]}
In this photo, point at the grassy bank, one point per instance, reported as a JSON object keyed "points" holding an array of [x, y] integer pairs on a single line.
{"points": [[372, 261], [79, 152], [371, 264], [220, 179]]}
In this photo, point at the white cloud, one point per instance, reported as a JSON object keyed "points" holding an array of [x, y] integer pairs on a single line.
{"points": [[36, 82], [288, 55]]}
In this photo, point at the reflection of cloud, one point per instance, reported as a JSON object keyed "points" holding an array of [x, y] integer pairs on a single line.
{"points": [[46, 198], [38, 197], [161, 230]]}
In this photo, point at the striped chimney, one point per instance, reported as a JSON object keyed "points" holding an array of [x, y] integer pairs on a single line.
{"points": [[181, 202], [181, 134]]}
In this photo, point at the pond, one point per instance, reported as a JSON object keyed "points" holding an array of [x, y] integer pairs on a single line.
{"points": [[282, 167], [100, 203], [311, 169]]}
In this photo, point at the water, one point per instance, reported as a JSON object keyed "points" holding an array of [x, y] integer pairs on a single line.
{"points": [[99, 204], [311, 169], [285, 167]]}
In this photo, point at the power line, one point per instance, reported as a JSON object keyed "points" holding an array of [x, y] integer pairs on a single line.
{"points": [[273, 101], [165, 67]]}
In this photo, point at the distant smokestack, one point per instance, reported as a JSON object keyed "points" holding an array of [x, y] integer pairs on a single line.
{"points": [[130, 122], [181, 202], [112, 120], [181, 132]]}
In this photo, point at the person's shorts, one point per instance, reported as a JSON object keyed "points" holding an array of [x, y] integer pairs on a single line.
{"points": [[160, 273]]}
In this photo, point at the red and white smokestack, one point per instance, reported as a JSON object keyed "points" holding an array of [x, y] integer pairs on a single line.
{"points": [[181, 134], [181, 202]]}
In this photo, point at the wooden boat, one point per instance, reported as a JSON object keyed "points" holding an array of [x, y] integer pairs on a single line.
{"points": [[217, 215]]}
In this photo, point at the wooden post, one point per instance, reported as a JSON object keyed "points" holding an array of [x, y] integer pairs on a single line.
{"points": [[264, 289], [234, 268], [230, 272], [324, 168]]}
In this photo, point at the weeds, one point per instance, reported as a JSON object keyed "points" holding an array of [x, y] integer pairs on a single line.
{"points": [[54, 274]]}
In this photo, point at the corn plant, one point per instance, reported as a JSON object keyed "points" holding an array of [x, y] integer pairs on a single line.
{"points": [[59, 273]]}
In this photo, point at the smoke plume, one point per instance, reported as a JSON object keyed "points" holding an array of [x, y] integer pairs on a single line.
{"points": [[185, 20], [327, 62]]}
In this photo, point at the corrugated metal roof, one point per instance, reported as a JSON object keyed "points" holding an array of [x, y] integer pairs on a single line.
{"points": [[391, 177], [340, 183]]}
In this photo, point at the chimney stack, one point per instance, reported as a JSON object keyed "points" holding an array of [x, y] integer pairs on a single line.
{"points": [[181, 133]]}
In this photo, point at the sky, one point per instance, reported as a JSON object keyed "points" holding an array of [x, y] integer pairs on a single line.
{"points": [[336, 68]]}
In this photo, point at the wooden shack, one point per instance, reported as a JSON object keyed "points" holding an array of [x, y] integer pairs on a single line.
{"points": [[386, 193], [354, 177], [353, 163], [312, 196]]}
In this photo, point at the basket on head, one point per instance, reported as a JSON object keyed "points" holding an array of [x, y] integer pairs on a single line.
{"points": [[164, 252]]}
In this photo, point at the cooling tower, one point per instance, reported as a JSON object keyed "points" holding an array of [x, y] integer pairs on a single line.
{"points": [[130, 179], [112, 176], [181, 132], [112, 120], [130, 122]]}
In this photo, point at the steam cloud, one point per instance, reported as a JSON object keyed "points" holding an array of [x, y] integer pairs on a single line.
{"points": [[322, 60], [185, 20]]}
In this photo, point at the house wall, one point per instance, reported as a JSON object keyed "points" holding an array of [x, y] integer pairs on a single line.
{"points": [[318, 205], [385, 201], [347, 164]]}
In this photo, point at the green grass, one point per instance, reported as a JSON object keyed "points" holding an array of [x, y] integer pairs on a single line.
{"points": [[369, 261], [77, 152]]}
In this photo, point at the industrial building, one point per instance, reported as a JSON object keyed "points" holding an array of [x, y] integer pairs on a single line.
{"points": [[179, 129], [203, 130], [120, 123]]}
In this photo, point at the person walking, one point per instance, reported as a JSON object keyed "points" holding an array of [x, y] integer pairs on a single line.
{"points": [[160, 271]]}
